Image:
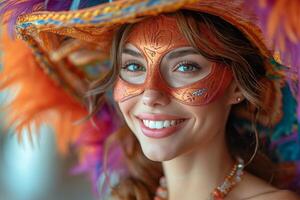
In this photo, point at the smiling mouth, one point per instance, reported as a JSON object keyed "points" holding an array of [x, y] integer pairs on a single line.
{"points": [[162, 124], [161, 128]]}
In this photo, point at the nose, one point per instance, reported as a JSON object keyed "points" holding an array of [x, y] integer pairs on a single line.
{"points": [[152, 97]]}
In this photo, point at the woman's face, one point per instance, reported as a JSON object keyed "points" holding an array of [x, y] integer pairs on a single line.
{"points": [[159, 68]]}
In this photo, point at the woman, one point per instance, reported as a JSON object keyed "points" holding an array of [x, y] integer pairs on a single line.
{"points": [[192, 85]]}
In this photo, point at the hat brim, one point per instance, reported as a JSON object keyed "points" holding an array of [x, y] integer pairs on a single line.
{"points": [[97, 24]]}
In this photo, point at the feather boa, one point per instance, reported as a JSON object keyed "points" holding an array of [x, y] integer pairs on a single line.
{"points": [[91, 145], [33, 106], [280, 19], [38, 98]]}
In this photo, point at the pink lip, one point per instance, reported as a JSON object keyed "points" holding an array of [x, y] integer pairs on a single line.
{"points": [[159, 133]]}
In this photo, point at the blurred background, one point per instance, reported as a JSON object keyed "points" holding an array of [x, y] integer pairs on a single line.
{"points": [[35, 170]]}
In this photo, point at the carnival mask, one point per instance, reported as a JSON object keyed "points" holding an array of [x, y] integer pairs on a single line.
{"points": [[157, 40]]}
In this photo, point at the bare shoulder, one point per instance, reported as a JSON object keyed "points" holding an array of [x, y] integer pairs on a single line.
{"points": [[284, 194], [254, 188], [276, 195]]}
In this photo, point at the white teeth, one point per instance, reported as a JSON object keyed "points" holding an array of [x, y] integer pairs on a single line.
{"points": [[146, 122], [151, 124], [167, 124], [161, 124]]}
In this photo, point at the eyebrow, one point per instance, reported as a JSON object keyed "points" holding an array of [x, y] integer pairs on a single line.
{"points": [[181, 53], [132, 53]]}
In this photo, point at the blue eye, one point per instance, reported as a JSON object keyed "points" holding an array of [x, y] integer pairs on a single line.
{"points": [[187, 67], [134, 67]]}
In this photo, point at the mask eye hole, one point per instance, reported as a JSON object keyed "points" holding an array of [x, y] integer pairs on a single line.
{"points": [[133, 67], [184, 66]]}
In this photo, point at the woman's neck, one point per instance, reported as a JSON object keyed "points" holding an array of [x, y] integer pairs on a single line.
{"points": [[194, 175]]}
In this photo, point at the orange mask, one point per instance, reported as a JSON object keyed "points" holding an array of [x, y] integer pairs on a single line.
{"points": [[156, 37]]}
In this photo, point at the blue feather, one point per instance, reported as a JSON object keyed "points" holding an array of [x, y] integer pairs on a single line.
{"points": [[75, 5]]}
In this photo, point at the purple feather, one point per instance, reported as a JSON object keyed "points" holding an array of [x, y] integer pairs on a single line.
{"points": [[290, 54], [58, 5], [292, 49], [17, 8], [93, 140], [284, 140]]}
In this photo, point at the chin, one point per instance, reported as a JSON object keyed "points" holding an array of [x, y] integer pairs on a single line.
{"points": [[158, 153]]}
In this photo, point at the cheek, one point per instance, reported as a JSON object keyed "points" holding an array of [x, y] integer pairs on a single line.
{"points": [[127, 109], [211, 119], [211, 115]]}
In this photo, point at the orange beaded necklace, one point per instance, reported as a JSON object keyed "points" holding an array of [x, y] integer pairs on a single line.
{"points": [[219, 193]]}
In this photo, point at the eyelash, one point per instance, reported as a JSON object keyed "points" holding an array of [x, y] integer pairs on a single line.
{"points": [[188, 63], [130, 62]]}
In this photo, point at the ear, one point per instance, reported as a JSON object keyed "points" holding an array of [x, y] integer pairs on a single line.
{"points": [[235, 95]]}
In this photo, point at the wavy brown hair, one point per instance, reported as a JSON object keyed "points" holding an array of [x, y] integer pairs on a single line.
{"points": [[219, 42]]}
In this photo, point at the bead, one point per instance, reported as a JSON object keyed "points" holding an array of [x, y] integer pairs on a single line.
{"points": [[162, 192], [240, 166], [217, 194], [220, 192]]}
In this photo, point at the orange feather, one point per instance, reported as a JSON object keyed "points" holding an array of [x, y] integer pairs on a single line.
{"points": [[39, 99]]}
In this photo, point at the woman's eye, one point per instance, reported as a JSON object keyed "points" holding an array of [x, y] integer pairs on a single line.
{"points": [[187, 68], [134, 67]]}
